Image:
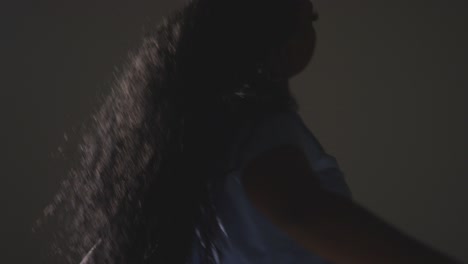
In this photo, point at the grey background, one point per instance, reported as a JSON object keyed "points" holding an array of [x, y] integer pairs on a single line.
{"points": [[385, 94]]}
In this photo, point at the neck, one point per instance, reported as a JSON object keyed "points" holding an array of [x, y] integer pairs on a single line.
{"points": [[274, 96], [276, 89], [273, 88]]}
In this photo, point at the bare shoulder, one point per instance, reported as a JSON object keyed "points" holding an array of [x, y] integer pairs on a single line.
{"points": [[280, 182]]}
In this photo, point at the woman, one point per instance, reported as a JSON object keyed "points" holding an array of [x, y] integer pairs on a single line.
{"points": [[199, 156]]}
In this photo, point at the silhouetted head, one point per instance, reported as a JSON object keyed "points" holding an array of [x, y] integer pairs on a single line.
{"points": [[294, 55], [232, 41]]}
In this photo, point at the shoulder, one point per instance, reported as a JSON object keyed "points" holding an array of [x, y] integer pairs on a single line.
{"points": [[280, 183], [277, 163]]}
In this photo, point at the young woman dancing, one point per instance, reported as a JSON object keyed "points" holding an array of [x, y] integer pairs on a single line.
{"points": [[198, 154]]}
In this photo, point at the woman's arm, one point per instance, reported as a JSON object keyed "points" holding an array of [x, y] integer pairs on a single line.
{"points": [[282, 186]]}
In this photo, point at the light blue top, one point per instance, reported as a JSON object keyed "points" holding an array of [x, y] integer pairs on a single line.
{"points": [[250, 238]]}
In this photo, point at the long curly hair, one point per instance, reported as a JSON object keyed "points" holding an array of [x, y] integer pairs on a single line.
{"points": [[141, 188]]}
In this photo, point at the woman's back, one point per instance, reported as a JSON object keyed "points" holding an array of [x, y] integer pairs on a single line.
{"points": [[249, 237]]}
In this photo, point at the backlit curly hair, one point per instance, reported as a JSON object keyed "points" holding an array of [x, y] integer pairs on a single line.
{"points": [[141, 187]]}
